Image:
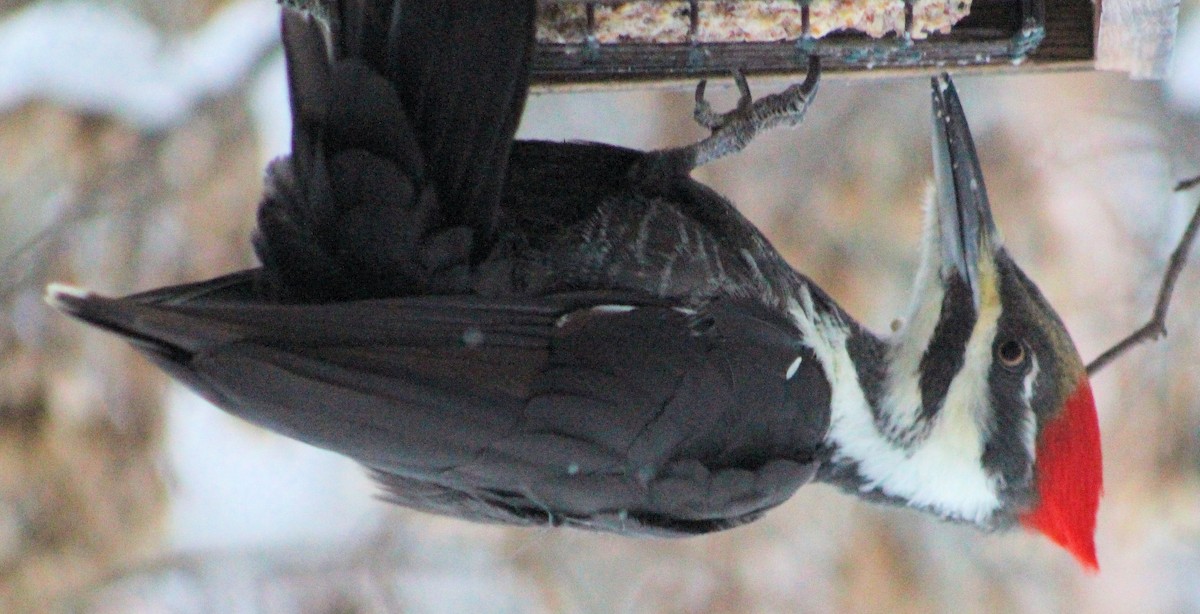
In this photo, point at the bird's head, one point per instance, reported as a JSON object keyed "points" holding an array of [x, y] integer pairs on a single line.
{"points": [[984, 369]]}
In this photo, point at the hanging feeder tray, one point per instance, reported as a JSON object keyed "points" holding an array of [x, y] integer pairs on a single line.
{"points": [[585, 44]]}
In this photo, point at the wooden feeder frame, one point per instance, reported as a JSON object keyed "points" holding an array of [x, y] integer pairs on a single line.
{"points": [[997, 35]]}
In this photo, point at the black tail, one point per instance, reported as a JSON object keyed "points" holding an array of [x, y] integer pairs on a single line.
{"points": [[400, 145]]}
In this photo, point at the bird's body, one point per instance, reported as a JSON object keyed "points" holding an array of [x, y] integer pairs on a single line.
{"points": [[580, 334]]}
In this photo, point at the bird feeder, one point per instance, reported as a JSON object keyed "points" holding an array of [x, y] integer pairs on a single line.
{"points": [[582, 43]]}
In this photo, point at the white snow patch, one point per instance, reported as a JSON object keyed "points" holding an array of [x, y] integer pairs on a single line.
{"points": [[237, 486], [105, 60], [1183, 82], [271, 110]]}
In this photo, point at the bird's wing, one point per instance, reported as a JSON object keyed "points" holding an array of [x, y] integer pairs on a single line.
{"points": [[402, 125], [598, 410]]}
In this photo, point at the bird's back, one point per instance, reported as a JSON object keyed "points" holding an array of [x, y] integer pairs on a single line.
{"points": [[590, 216]]}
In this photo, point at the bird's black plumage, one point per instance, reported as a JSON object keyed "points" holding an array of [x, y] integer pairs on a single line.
{"points": [[576, 333], [527, 333]]}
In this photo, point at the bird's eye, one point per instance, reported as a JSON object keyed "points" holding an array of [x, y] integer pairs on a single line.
{"points": [[1011, 354]]}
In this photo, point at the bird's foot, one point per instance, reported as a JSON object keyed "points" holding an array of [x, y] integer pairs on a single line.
{"points": [[733, 130], [704, 114]]}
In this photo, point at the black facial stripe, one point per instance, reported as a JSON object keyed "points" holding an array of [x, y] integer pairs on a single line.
{"points": [[948, 346], [870, 364], [1005, 453], [1025, 317]]}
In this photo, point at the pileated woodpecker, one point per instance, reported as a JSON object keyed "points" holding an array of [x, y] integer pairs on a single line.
{"points": [[579, 334]]}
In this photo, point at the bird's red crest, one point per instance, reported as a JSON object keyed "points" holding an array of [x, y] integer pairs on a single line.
{"points": [[1070, 478]]}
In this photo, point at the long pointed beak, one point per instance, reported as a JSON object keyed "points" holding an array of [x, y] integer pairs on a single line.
{"points": [[968, 234]]}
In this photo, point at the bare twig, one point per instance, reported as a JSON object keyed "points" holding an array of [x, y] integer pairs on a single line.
{"points": [[1157, 326], [1187, 184]]}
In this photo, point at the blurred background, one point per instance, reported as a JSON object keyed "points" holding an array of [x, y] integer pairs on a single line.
{"points": [[133, 135]]}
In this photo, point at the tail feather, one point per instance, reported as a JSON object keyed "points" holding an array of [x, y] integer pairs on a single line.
{"points": [[159, 332], [462, 74], [392, 383], [402, 126], [195, 323]]}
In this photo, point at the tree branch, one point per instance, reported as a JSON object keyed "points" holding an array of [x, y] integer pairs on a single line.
{"points": [[1157, 326]]}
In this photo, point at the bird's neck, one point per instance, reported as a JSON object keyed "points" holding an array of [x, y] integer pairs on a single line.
{"points": [[884, 443]]}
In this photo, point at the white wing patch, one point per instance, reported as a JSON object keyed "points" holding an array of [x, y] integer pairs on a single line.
{"points": [[793, 368], [564, 319], [613, 308]]}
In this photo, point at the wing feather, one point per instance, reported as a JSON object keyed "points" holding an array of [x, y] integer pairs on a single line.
{"points": [[556, 410]]}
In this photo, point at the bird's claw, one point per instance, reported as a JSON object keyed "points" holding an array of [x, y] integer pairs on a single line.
{"points": [[732, 131], [712, 120]]}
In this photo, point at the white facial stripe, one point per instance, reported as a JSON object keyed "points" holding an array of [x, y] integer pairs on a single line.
{"points": [[1030, 378], [944, 471], [950, 459], [902, 390], [1029, 423], [967, 400]]}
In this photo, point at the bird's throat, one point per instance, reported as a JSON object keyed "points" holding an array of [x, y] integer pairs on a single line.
{"points": [[881, 445]]}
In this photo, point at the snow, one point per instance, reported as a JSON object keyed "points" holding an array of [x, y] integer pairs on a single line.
{"points": [[105, 60], [1183, 82], [236, 486], [269, 107]]}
